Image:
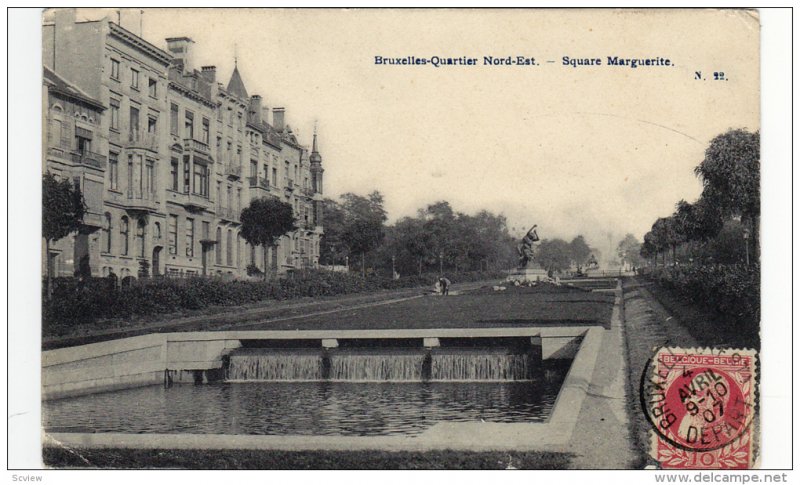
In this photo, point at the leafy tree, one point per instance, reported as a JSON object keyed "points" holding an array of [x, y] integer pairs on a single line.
{"points": [[62, 213], [363, 228], [731, 174], [629, 250], [579, 251], [332, 247], [264, 221], [554, 255]]}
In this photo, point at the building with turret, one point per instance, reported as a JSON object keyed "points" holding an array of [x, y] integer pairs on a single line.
{"points": [[167, 156]]}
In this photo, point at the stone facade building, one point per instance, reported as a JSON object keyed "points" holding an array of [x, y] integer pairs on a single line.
{"points": [[167, 157]]}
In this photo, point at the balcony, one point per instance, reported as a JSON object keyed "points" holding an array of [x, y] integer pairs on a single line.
{"points": [[228, 214], [145, 140], [192, 202], [196, 145], [89, 159], [233, 172], [139, 201]]}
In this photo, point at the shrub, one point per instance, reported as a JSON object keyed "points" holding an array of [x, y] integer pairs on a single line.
{"points": [[733, 291]]}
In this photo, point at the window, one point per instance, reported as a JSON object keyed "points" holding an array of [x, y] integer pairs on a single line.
{"points": [[156, 231], [152, 87], [229, 199], [115, 69], [240, 125], [149, 178], [114, 105], [201, 179], [84, 145], [152, 124], [173, 234], [266, 173], [133, 127], [173, 119], [134, 79], [130, 176], [106, 240], [229, 248], [189, 126], [218, 255], [189, 237], [206, 130], [186, 174], [219, 149], [173, 171], [274, 176], [140, 230], [123, 234], [113, 170], [253, 169], [239, 156], [206, 231]]}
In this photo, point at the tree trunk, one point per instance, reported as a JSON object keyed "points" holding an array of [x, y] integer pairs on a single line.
{"points": [[266, 262], [47, 268]]}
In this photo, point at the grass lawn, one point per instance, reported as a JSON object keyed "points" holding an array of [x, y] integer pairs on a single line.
{"points": [[515, 306], [299, 460]]}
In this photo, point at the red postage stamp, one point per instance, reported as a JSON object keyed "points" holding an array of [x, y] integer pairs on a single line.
{"points": [[702, 406]]}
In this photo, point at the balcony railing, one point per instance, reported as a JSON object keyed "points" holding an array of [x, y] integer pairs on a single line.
{"points": [[228, 214], [137, 200], [146, 140], [89, 159], [192, 202], [260, 182], [197, 145], [233, 171]]}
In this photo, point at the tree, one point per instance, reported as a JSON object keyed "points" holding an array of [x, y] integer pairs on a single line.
{"points": [[62, 214], [332, 247], [629, 250], [554, 255], [731, 174], [363, 228], [579, 251], [264, 221]]}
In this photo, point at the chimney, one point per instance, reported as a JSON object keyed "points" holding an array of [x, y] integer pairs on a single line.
{"points": [[209, 73], [255, 108], [181, 50], [277, 118]]}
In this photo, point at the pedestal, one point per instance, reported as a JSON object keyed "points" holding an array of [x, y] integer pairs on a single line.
{"points": [[527, 274]]}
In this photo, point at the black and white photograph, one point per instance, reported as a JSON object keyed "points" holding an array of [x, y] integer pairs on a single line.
{"points": [[404, 239]]}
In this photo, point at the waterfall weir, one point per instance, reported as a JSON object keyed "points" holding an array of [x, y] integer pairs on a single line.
{"points": [[383, 364]]}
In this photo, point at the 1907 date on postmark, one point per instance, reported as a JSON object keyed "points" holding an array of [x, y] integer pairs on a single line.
{"points": [[701, 404]]}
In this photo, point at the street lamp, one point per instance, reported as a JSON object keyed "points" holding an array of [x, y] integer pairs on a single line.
{"points": [[746, 236]]}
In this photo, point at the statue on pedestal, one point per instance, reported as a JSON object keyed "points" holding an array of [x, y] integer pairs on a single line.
{"points": [[525, 248]]}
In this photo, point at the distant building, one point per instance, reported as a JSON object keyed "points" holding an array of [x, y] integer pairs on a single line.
{"points": [[167, 157]]}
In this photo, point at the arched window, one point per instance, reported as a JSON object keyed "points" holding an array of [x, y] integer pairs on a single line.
{"points": [[106, 239], [218, 246], [156, 231], [140, 230], [229, 248], [123, 234]]}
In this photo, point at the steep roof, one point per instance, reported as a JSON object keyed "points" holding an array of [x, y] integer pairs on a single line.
{"points": [[60, 85], [236, 85]]}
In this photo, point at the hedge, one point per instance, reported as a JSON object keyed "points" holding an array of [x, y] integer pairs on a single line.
{"points": [[77, 302], [733, 291]]}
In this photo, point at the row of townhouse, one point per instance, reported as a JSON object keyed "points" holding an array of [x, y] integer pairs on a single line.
{"points": [[167, 157]]}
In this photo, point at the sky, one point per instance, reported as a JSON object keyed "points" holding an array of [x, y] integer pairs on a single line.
{"points": [[594, 150]]}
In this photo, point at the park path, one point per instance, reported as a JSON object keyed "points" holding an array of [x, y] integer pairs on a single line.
{"points": [[601, 439], [648, 325], [248, 316]]}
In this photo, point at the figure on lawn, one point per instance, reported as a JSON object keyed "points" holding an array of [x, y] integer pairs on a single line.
{"points": [[525, 247]]}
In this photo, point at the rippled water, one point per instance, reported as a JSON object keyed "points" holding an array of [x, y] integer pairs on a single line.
{"points": [[306, 408]]}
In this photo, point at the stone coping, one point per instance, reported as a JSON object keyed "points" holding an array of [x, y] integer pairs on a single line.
{"points": [[475, 436]]}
